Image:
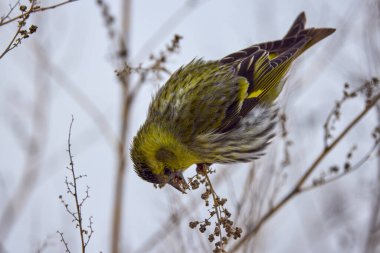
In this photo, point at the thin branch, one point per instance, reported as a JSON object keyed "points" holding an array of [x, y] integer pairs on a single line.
{"points": [[73, 191], [353, 168], [74, 185], [35, 9], [91, 231], [335, 113], [16, 41], [11, 9], [67, 250]]}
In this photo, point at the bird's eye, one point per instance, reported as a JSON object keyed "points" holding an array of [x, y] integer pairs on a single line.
{"points": [[167, 171]]}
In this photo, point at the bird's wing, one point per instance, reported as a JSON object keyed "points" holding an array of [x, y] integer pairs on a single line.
{"points": [[265, 66]]}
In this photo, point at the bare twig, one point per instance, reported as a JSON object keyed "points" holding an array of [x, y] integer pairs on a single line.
{"points": [[346, 170], [67, 250], [11, 9], [34, 9], [72, 189], [335, 113], [21, 34], [74, 185]]}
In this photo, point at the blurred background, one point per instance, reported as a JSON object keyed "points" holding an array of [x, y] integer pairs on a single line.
{"points": [[102, 61]]}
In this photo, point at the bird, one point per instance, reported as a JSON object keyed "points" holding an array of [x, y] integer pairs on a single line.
{"points": [[218, 111]]}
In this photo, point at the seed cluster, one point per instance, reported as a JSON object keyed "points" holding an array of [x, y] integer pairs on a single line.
{"points": [[223, 228]]}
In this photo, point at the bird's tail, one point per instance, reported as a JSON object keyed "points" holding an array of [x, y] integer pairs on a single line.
{"points": [[297, 32]]}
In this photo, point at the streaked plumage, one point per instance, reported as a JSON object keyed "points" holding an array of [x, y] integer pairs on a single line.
{"points": [[218, 111]]}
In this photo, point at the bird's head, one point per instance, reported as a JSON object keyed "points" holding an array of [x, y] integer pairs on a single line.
{"points": [[157, 160]]}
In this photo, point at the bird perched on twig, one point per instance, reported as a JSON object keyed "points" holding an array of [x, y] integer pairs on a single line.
{"points": [[219, 111]]}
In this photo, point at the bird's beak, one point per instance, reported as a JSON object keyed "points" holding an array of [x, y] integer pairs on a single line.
{"points": [[178, 181]]}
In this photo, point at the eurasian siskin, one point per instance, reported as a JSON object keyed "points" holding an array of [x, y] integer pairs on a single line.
{"points": [[219, 111]]}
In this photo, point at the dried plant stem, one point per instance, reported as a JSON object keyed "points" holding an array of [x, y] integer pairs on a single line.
{"points": [[353, 168], [216, 207], [297, 189]]}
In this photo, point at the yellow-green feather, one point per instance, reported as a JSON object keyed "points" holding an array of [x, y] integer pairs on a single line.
{"points": [[151, 144]]}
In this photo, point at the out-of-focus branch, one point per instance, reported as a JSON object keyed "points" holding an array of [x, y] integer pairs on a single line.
{"points": [[122, 145], [246, 190], [35, 147], [81, 98], [172, 21], [155, 67], [298, 186], [46, 243]]}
